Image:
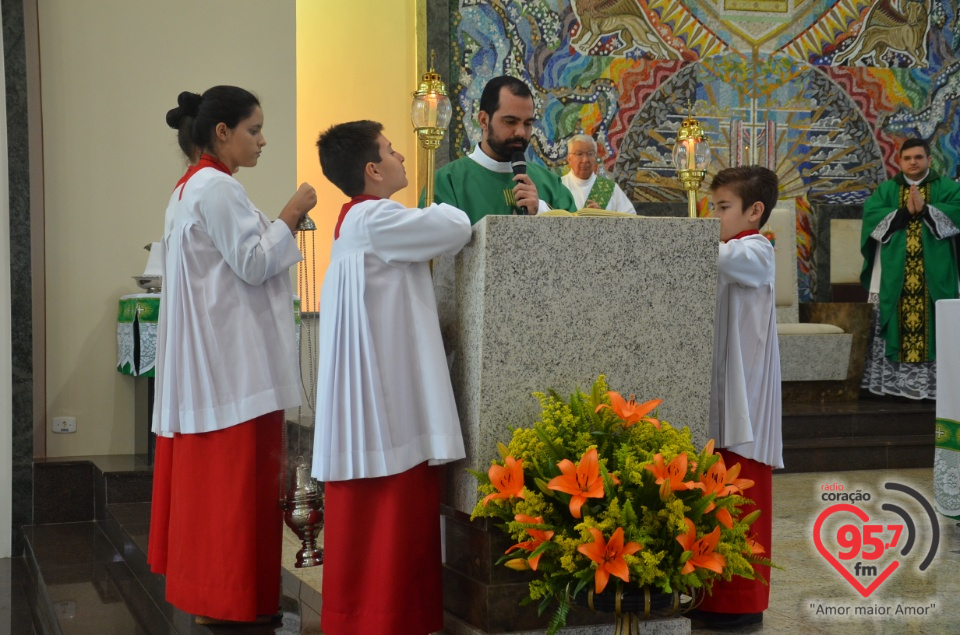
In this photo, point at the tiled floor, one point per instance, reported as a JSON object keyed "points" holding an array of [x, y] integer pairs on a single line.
{"points": [[92, 591]]}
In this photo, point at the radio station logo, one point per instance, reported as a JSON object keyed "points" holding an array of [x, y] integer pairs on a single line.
{"points": [[866, 550]]}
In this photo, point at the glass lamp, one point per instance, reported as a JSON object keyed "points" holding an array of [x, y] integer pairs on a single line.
{"points": [[430, 114], [691, 155]]}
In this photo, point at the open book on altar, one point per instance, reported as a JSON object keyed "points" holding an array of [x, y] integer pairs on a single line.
{"points": [[588, 211]]}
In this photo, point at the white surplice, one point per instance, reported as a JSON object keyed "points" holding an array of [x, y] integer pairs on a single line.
{"points": [[226, 338], [580, 188], [384, 399], [745, 404]]}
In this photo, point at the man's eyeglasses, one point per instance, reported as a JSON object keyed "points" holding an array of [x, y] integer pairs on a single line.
{"points": [[581, 155]]}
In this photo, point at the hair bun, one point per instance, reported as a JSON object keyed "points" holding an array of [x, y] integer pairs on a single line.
{"points": [[189, 103], [188, 106]]}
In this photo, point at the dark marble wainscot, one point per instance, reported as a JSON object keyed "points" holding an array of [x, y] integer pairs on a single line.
{"points": [[483, 594], [21, 285]]}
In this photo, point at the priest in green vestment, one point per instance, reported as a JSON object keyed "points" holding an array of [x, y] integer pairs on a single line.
{"points": [[909, 245], [588, 188], [483, 182]]}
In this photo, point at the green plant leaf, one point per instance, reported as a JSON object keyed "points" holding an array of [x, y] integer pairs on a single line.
{"points": [[596, 395], [553, 452], [699, 506], [544, 603], [559, 619], [482, 477], [629, 515], [580, 585], [607, 481]]}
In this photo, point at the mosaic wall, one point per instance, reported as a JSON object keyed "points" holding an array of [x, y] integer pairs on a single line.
{"points": [[830, 86]]}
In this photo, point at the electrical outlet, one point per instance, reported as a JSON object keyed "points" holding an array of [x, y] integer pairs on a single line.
{"points": [[64, 424], [66, 609]]}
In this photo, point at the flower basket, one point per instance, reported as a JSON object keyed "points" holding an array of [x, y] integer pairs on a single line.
{"points": [[641, 602], [632, 606], [612, 507]]}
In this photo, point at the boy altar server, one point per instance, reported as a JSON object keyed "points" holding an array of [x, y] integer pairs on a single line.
{"points": [[386, 415], [745, 403]]}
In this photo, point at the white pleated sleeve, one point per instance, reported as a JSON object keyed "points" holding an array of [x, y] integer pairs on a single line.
{"points": [[384, 399]]}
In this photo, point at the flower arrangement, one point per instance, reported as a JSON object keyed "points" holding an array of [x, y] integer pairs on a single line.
{"points": [[600, 489]]}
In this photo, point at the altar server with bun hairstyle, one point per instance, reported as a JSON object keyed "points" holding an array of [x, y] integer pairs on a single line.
{"points": [[227, 367]]}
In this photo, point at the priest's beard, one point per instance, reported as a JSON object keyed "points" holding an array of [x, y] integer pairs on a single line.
{"points": [[504, 148]]}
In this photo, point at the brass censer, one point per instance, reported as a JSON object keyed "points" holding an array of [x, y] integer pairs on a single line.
{"points": [[303, 504]]}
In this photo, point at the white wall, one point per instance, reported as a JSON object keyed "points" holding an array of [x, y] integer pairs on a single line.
{"points": [[110, 69]]}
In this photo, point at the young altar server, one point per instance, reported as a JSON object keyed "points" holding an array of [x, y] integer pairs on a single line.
{"points": [[386, 415], [745, 397], [226, 369]]}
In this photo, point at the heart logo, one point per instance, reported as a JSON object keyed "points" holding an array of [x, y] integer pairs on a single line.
{"points": [[829, 557]]}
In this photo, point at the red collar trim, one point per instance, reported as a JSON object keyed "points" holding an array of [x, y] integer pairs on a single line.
{"points": [[347, 207], [206, 161], [749, 232]]}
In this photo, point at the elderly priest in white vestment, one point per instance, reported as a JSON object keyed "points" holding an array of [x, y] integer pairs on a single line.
{"points": [[588, 188]]}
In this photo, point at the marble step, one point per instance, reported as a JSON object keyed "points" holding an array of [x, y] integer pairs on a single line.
{"points": [[858, 435], [79, 489]]}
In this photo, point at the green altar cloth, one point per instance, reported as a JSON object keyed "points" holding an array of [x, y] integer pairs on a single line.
{"points": [[137, 333]]}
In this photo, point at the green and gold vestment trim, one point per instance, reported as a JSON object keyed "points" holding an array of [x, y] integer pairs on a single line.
{"points": [[601, 192], [913, 310], [946, 433]]}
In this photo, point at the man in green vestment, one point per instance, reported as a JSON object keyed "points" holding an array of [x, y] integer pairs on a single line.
{"points": [[483, 183], [589, 189], [910, 260]]}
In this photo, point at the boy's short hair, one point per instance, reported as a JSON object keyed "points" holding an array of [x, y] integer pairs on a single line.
{"points": [[915, 143], [751, 183], [345, 150], [490, 97]]}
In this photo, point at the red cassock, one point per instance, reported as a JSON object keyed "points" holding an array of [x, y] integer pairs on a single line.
{"points": [[740, 595], [384, 577], [216, 527]]}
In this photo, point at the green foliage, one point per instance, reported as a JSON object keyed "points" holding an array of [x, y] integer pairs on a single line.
{"points": [[650, 514]]}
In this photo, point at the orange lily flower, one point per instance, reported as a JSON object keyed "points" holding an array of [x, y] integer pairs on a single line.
{"points": [[724, 517], [609, 556], [581, 481], [755, 547], [721, 481], [629, 411], [670, 477], [703, 555], [508, 479], [540, 536]]}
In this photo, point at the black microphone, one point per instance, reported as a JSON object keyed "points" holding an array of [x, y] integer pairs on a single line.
{"points": [[519, 165]]}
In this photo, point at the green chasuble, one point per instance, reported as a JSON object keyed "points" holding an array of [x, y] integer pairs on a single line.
{"points": [[601, 192], [466, 184], [916, 267]]}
